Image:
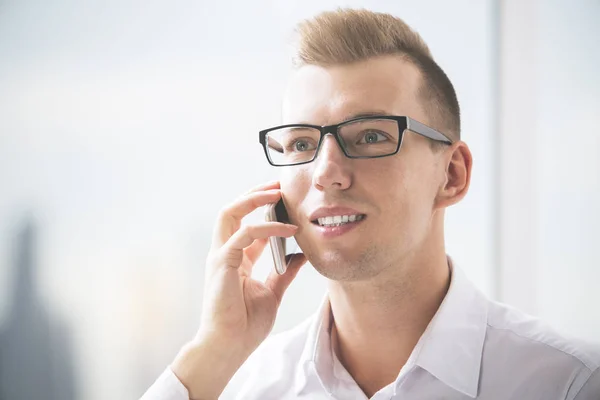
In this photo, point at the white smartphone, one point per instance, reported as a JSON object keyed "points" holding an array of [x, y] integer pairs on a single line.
{"points": [[280, 245]]}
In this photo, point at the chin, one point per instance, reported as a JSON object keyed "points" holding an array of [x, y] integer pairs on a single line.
{"points": [[335, 266]]}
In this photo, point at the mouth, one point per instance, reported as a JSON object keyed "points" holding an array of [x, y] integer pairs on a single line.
{"points": [[335, 221], [338, 220]]}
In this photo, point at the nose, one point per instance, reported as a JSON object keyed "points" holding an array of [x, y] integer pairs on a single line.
{"points": [[332, 170]]}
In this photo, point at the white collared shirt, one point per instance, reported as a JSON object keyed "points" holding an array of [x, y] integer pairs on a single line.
{"points": [[472, 348]]}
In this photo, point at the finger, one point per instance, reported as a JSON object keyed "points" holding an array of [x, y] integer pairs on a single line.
{"points": [[230, 218], [233, 251], [295, 260], [279, 283], [248, 234], [252, 253], [263, 187], [255, 249]]}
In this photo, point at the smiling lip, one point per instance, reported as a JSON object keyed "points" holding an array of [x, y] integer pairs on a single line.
{"points": [[331, 212], [335, 231]]}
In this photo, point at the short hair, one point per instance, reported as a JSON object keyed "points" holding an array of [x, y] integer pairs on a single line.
{"points": [[345, 36]]}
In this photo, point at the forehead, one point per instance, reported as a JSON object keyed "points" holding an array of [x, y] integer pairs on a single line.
{"points": [[329, 95]]}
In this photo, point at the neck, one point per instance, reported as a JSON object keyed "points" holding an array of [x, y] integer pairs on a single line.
{"points": [[378, 323]]}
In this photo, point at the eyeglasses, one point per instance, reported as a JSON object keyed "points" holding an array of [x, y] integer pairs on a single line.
{"points": [[364, 137]]}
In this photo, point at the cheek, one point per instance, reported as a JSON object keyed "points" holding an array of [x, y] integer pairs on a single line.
{"points": [[402, 188], [295, 183]]}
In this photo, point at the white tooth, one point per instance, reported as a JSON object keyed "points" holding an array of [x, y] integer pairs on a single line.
{"points": [[344, 218], [352, 218], [328, 220], [337, 219], [321, 221]]}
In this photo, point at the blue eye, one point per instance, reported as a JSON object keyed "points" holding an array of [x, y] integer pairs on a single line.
{"points": [[301, 145], [373, 137]]}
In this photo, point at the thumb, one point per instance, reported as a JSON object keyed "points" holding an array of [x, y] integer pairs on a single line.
{"points": [[278, 284]]}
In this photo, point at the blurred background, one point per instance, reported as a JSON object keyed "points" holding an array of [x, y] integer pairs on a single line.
{"points": [[126, 125]]}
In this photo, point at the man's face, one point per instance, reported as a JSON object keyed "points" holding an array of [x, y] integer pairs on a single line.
{"points": [[395, 194]]}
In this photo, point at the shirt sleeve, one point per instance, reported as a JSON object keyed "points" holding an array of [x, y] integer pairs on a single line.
{"points": [[166, 387], [591, 388]]}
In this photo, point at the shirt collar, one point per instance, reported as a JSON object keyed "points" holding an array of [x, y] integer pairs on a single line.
{"points": [[450, 348], [452, 345], [317, 349]]}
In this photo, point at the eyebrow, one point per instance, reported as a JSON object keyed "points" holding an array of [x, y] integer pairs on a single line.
{"points": [[361, 114]]}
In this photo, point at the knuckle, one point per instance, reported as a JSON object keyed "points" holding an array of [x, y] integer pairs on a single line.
{"points": [[255, 199], [250, 231], [224, 213], [233, 258], [225, 218], [224, 258]]}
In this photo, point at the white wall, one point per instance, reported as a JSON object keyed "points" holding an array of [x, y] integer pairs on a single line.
{"points": [[569, 166], [550, 173]]}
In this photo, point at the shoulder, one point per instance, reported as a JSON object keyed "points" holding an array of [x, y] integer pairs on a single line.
{"points": [[536, 352], [524, 331]]}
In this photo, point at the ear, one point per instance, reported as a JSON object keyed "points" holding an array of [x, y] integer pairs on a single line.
{"points": [[457, 178]]}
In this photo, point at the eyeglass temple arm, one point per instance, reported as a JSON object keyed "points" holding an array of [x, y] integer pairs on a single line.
{"points": [[426, 131]]}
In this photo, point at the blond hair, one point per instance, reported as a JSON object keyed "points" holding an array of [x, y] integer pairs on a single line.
{"points": [[345, 36]]}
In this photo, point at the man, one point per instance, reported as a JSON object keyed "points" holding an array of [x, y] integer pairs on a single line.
{"points": [[370, 158]]}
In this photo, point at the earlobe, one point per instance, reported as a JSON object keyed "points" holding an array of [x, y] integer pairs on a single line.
{"points": [[457, 175]]}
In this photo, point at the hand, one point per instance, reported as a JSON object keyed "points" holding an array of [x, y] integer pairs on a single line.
{"points": [[235, 306], [238, 312]]}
